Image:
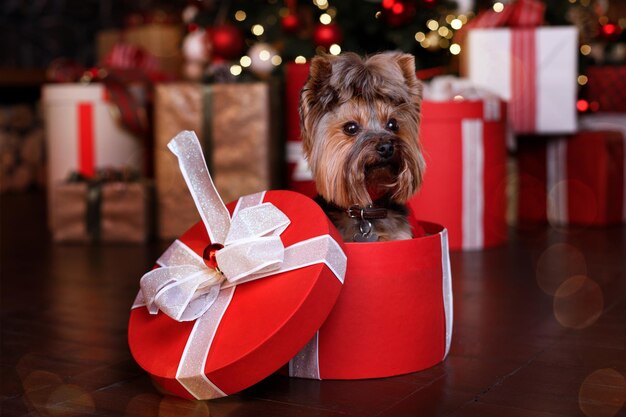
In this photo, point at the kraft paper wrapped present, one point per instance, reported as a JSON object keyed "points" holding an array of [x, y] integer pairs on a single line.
{"points": [[463, 136], [88, 211], [239, 293], [235, 123], [576, 179], [235, 327], [533, 68]]}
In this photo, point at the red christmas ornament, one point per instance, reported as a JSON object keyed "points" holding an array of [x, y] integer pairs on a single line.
{"points": [[326, 35], [611, 31], [290, 23], [227, 41], [399, 12], [209, 255]]}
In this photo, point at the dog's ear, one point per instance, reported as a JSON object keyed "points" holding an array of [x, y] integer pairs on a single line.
{"points": [[406, 62], [315, 97]]}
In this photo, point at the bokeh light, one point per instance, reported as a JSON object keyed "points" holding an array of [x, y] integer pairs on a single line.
{"points": [[240, 15], [258, 30], [334, 49], [498, 7], [70, 400], [578, 302], [245, 61], [557, 264], [143, 405], [602, 393], [456, 24]]}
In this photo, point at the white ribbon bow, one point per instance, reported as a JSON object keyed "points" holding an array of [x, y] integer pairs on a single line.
{"points": [[252, 248]]}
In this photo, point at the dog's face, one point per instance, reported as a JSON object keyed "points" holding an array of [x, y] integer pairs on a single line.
{"points": [[360, 125]]}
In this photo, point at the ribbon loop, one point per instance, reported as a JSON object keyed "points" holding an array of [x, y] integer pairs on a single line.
{"points": [[185, 287], [257, 221], [257, 256]]}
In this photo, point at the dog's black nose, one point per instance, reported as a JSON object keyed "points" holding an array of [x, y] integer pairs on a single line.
{"points": [[385, 150]]}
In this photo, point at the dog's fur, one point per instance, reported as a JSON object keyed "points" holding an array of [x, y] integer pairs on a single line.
{"points": [[349, 167]]}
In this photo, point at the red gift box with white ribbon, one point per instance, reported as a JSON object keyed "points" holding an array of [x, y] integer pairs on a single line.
{"points": [[246, 290], [393, 316], [463, 137], [234, 298], [575, 179], [533, 68], [299, 176]]}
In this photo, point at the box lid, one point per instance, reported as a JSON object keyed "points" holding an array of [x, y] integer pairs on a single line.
{"points": [[255, 325], [72, 92]]}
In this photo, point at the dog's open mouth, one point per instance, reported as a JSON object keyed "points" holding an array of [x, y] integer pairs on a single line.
{"points": [[380, 177]]}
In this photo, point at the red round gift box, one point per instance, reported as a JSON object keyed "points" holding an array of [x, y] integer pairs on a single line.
{"points": [[266, 322], [394, 313], [464, 188]]}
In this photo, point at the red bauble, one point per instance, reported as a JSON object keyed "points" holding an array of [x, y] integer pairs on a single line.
{"points": [[227, 41], [610, 31], [398, 12], [326, 35], [290, 23]]}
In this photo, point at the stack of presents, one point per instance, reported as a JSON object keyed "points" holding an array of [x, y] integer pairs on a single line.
{"points": [[297, 299]]}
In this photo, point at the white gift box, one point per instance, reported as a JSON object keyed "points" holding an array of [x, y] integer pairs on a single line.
{"points": [[83, 134], [533, 69]]}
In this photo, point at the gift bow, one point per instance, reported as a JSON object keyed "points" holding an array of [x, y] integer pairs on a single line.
{"points": [[252, 249], [188, 285], [245, 248]]}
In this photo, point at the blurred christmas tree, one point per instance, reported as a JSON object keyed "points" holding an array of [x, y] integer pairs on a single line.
{"points": [[247, 37], [258, 36]]}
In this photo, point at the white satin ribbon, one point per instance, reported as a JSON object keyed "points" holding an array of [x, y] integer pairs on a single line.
{"points": [[252, 246], [185, 288], [473, 181]]}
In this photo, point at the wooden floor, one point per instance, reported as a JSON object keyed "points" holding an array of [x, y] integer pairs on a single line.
{"points": [[539, 331]]}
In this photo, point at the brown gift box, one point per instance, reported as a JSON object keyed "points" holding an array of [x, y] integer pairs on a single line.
{"points": [[109, 212], [161, 40], [234, 122]]}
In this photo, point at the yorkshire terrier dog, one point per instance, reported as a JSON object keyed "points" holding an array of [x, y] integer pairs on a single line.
{"points": [[360, 122]]}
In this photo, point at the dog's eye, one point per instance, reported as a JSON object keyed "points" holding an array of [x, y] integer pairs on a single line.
{"points": [[351, 128], [392, 125]]}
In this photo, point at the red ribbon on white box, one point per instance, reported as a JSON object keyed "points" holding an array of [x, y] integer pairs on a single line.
{"points": [[523, 104], [185, 288]]}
